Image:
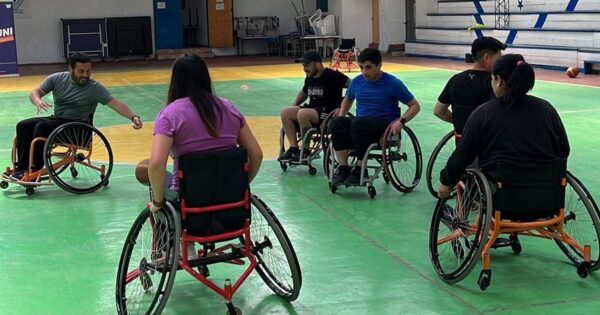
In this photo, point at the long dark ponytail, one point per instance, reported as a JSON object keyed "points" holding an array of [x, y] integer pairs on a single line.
{"points": [[190, 78], [518, 76]]}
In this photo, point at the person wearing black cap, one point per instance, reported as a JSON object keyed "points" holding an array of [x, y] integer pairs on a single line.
{"points": [[324, 88], [470, 88]]}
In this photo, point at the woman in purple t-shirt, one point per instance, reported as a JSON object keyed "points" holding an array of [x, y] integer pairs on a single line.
{"points": [[195, 120]]}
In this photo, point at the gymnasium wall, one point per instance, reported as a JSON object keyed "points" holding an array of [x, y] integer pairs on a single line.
{"points": [[38, 31]]}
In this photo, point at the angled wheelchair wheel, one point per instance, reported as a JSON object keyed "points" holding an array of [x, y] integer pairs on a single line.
{"points": [[460, 228], [326, 140], [148, 263], [277, 262], [582, 222], [85, 151], [402, 160], [437, 162], [328, 162]]}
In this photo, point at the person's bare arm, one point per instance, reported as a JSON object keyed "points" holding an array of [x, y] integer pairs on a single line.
{"points": [[300, 98], [35, 97], [124, 110], [345, 107], [413, 109], [247, 140], [442, 112], [157, 167]]}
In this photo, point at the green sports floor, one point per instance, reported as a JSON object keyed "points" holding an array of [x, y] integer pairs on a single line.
{"points": [[59, 252]]}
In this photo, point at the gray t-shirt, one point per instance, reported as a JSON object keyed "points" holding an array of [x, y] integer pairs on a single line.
{"points": [[72, 101]]}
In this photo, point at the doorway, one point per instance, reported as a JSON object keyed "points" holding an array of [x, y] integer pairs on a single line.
{"points": [[374, 24], [194, 23]]}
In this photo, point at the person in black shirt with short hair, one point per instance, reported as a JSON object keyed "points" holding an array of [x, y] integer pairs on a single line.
{"points": [[514, 128], [324, 88], [470, 88]]}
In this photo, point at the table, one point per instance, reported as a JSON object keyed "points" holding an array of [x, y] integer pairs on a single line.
{"points": [[241, 39], [321, 38]]}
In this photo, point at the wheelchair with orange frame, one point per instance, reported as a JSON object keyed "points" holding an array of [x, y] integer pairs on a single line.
{"points": [[76, 156], [231, 225], [397, 156], [547, 202]]}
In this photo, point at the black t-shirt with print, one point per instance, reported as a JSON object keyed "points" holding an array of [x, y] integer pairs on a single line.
{"points": [[325, 92], [464, 92]]}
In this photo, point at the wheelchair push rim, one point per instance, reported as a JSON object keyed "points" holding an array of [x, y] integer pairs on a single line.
{"points": [[277, 262], [148, 263], [85, 151], [460, 228], [402, 159]]}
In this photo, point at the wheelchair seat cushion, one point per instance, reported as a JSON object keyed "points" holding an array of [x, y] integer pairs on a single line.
{"points": [[214, 178]]}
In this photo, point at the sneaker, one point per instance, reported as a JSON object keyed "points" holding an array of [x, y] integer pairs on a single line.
{"points": [[354, 178], [341, 174], [305, 155], [18, 174], [292, 154]]}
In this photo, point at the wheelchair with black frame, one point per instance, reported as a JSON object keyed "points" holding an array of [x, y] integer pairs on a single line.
{"points": [[547, 202], [317, 137], [76, 157], [437, 161], [397, 156], [231, 225]]}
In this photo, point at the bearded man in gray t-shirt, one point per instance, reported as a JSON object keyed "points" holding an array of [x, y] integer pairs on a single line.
{"points": [[76, 96]]}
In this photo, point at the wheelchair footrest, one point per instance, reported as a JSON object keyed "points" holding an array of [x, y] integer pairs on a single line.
{"points": [[209, 260]]}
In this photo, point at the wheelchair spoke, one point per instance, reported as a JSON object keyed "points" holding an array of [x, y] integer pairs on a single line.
{"points": [[459, 230], [582, 222], [277, 262], [148, 265], [86, 152]]}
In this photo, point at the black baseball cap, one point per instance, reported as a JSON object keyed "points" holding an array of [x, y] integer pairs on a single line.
{"points": [[486, 43], [310, 56]]}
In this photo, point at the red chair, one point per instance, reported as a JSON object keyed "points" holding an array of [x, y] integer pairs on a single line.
{"points": [[219, 213], [346, 52]]}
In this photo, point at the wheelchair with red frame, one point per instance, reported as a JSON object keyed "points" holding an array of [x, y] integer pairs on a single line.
{"points": [[397, 156], [318, 139], [547, 202], [76, 156], [231, 225], [347, 52]]}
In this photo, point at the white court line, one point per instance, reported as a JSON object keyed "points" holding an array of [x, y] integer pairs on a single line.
{"points": [[578, 111]]}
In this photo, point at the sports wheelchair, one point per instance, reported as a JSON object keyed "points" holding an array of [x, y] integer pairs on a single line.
{"points": [[546, 202], [398, 156], [437, 161], [347, 52], [77, 158], [231, 225], [317, 136]]}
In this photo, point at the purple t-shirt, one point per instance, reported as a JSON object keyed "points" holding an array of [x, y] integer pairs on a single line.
{"points": [[181, 121]]}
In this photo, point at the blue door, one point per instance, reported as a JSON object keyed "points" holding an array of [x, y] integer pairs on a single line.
{"points": [[167, 24]]}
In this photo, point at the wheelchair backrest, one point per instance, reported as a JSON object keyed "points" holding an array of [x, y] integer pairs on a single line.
{"points": [[531, 190], [347, 44], [209, 180]]}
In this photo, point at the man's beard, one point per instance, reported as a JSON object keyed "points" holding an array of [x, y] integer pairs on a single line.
{"points": [[81, 81]]}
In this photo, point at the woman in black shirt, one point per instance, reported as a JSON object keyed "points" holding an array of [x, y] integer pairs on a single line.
{"points": [[514, 128]]}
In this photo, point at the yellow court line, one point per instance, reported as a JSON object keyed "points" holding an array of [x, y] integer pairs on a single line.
{"points": [[131, 146], [162, 76]]}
